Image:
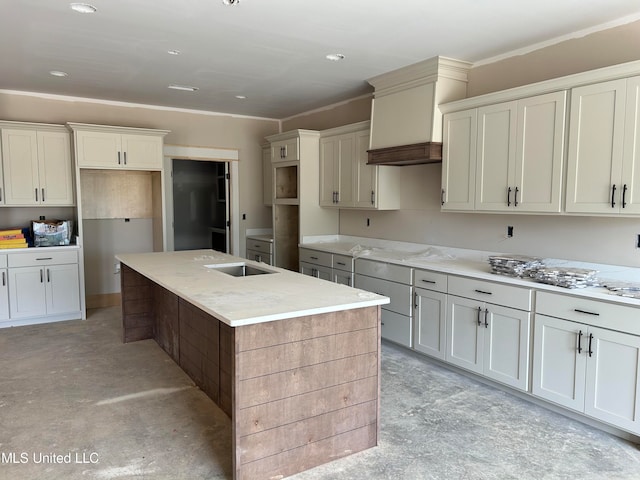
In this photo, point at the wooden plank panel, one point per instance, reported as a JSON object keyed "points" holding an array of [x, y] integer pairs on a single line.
{"points": [[133, 334], [310, 430], [310, 455], [166, 325], [296, 329], [293, 409], [306, 379], [263, 361]]}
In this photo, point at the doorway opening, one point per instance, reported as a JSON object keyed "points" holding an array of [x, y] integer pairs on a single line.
{"points": [[200, 205]]}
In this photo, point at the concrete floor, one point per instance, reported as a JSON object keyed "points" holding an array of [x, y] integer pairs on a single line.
{"points": [[71, 394]]}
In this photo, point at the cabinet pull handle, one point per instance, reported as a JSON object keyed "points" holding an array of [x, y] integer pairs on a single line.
{"points": [[373, 197], [0, 194], [586, 312], [43, 258], [509, 197], [313, 258], [349, 281], [483, 292], [415, 299], [125, 157], [613, 195], [580, 342], [515, 197], [479, 312], [337, 197], [258, 258], [41, 276], [48, 276], [4, 279], [43, 194], [486, 314], [118, 158], [442, 197], [590, 339], [284, 152], [342, 263], [624, 194], [428, 281], [36, 194]]}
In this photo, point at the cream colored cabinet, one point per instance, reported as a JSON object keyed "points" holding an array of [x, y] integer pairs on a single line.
{"points": [[260, 250], [37, 166], [316, 264], [581, 366], [4, 289], [107, 147], [430, 313], [488, 330], [603, 168], [337, 155], [342, 271], [346, 180], [267, 176], [459, 160], [286, 150], [519, 155], [43, 284]]}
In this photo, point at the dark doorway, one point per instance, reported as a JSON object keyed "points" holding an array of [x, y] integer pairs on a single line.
{"points": [[200, 205]]}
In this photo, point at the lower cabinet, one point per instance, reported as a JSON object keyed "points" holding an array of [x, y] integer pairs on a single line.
{"points": [[430, 312], [486, 338], [327, 266], [260, 250], [587, 368], [4, 295], [43, 284]]}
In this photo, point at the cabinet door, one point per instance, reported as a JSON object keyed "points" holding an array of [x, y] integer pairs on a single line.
{"points": [[539, 153], [328, 161], [285, 150], [27, 297], [20, 166], [342, 277], [63, 288], [559, 361], [317, 271], [594, 162], [142, 152], [630, 196], [613, 378], [506, 346], [346, 145], [396, 327], [465, 337], [366, 176], [98, 149], [496, 156], [430, 313], [459, 160], [4, 295], [55, 172]]}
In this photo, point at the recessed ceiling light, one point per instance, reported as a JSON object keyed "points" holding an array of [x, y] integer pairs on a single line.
{"points": [[241, 97], [174, 52], [231, 2], [184, 88], [83, 8], [335, 57], [58, 73]]}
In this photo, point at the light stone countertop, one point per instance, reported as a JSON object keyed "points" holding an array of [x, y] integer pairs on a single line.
{"points": [[240, 301], [469, 263]]}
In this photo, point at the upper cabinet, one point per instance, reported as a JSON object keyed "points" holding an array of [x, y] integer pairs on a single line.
{"points": [[346, 178], [603, 168], [505, 157], [285, 150], [36, 165], [267, 176], [106, 147]]}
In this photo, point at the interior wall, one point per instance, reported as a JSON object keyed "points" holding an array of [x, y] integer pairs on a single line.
{"points": [[353, 111], [187, 128], [597, 50]]}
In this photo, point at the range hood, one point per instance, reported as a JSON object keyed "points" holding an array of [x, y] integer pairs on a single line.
{"points": [[406, 122]]}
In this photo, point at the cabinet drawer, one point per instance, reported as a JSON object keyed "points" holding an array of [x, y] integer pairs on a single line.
{"points": [[316, 257], [259, 256], [3, 261], [496, 293], [430, 280], [591, 312], [42, 257], [389, 271], [396, 327], [400, 295], [259, 245], [343, 262]]}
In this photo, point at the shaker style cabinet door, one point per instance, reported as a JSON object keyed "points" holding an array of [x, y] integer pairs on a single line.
{"points": [[98, 149], [4, 295], [431, 322], [630, 201], [465, 341], [20, 167], [459, 160], [55, 172]]}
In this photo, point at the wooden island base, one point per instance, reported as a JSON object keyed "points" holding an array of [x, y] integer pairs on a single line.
{"points": [[300, 392]]}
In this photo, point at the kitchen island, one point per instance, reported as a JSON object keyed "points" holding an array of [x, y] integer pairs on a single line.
{"points": [[293, 361]]}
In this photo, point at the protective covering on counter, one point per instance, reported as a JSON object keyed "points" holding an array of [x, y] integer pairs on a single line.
{"points": [[430, 253], [624, 289], [515, 265], [567, 277]]}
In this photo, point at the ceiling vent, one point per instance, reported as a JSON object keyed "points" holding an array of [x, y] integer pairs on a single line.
{"points": [[406, 123]]}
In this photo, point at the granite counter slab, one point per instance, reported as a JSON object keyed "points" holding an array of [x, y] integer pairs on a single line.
{"points": [[247, 300]]}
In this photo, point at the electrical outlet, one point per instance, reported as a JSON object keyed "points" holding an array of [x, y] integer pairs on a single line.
{"points": [[509, 231]]}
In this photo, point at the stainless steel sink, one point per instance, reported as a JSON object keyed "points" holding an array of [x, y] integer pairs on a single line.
{"points": [[239, 269]]}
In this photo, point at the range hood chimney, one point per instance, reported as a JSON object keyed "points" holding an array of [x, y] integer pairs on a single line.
{"points": [[406, 123]]}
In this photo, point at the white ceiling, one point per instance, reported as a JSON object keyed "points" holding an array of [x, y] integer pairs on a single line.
{"points": [[271, 51]]}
